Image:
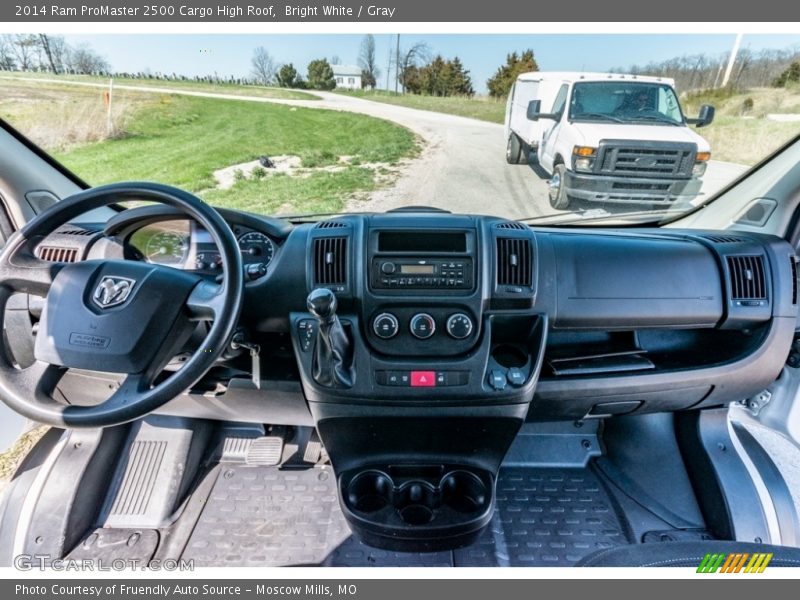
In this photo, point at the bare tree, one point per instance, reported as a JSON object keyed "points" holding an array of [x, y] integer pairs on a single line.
{"points": [[7, 62], [335, 60], [368, 62], [54, 48], [263, 66], [24, 49], [83, 60], [409, 59]]}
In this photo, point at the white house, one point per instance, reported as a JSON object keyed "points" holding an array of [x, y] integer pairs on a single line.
{"points": [[347, 77]]}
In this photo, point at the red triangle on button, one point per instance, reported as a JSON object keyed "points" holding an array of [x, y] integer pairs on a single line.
{"points": [[423, 379]]}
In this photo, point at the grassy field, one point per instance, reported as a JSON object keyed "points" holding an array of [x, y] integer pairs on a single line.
{"points": [[741, 131], [196, 86], [182, 140], [477, 107]]}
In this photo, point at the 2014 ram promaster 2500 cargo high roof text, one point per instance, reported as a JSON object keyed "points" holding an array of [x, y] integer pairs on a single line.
{"points": [[607, 138]]}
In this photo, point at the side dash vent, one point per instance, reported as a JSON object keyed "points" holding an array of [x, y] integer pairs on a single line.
{"points": [[514, 262], [793, 262], [748, 280], [57, 254]]}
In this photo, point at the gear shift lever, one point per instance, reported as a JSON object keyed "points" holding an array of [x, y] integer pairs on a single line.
{"points": [[332, 358]]}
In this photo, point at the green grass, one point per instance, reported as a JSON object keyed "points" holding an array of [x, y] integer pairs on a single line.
{"points": [[194, 86], [479, 107], [741, 133], [182, 140]]}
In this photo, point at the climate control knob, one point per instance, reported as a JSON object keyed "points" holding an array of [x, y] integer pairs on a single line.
{"points": [[459, 326], [422, 326], [385, 326]]}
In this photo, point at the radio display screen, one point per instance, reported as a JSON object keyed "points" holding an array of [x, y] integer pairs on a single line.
{"points": [[417, 270], [422, 242]]}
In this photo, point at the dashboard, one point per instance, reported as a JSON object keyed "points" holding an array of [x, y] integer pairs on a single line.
{"points": [[463, 310]]}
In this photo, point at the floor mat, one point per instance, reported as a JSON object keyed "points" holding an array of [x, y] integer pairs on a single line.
{"points": [[546, 517], [266, 516]]}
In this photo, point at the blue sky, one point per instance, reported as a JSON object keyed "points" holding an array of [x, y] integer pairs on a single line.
{"points": [[481, 54]]}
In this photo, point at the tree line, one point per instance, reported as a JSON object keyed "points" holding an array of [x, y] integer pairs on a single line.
{"points": [[764, 68], [49, 53]]}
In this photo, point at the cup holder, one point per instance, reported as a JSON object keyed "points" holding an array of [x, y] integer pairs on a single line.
{"points": [[370, 491], [419, 500], [464, 492], [417, 508]]}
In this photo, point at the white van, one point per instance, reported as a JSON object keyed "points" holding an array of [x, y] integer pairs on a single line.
{"points": [[607, 137]]}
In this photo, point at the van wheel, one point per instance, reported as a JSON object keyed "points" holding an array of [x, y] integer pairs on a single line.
{"points": [[556, 189], [515, 150]]}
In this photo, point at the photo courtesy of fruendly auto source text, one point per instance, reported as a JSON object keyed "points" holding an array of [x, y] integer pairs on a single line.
{"points": [[407, 299]]}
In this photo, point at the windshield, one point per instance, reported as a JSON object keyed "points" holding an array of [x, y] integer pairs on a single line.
{"points": [[619, 129], [623, 102]]}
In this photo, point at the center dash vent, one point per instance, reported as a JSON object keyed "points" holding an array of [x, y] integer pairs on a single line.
{"points": [[514, 264], [57, 254], [511, 225], [330, 225], [330, 261], [748, 280]]}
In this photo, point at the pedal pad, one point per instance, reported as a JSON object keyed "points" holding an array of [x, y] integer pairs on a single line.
{"points": [[234, 449], [265, 451], [315, 452]]}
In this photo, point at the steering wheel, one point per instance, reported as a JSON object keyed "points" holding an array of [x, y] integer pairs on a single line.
{"points": [[115, 316]]}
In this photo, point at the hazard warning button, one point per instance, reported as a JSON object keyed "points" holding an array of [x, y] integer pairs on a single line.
{"points": [[423, 379]]}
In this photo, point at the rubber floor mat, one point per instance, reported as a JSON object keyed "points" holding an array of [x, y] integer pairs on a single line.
{"points": [[108, 545], [265, 516], [546, 517]]}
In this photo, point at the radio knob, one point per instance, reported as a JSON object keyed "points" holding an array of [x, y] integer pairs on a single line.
{"points": [[385, 326], [459, 326], [388, 268], [422, 326]]}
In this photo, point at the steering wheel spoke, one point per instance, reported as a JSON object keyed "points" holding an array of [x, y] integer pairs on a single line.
{"points": [[206, 301], [22, 272]]}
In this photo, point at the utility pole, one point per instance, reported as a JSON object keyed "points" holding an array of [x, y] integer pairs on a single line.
{"points": [[389, 66], [397, 62], [732, 59]]}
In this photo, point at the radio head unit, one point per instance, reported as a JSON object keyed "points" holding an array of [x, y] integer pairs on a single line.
{"points": [[422, 260]]}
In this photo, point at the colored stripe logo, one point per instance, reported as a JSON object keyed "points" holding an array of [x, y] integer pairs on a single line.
{"points": [[735, 562]]}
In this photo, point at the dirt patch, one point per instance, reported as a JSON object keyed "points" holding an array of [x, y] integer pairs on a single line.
{"points": [[292, 165]]}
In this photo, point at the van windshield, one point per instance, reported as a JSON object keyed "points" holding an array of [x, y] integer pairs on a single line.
{"points": [[625, 102]]}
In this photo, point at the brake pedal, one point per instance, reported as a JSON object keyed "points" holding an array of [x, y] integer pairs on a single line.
{"points": [[265, 451]]}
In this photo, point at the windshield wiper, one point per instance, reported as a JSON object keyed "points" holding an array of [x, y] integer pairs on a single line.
{"points": [[593, 115], [660, 119]]}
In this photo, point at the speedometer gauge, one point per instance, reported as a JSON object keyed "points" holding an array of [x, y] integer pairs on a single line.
{"points": [[256, 248], [167, 248]]}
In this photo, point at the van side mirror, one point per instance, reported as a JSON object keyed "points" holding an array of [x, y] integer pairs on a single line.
{"points": [[705, 117], [534, 106]]}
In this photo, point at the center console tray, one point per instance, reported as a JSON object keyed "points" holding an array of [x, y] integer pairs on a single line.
{"points": [[417, 508]]}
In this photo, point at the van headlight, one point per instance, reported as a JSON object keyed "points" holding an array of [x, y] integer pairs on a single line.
{"points": [[700, 164], [583, 158]]}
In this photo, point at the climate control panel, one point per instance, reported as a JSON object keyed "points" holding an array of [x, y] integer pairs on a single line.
{"points": [[422, 325]]}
